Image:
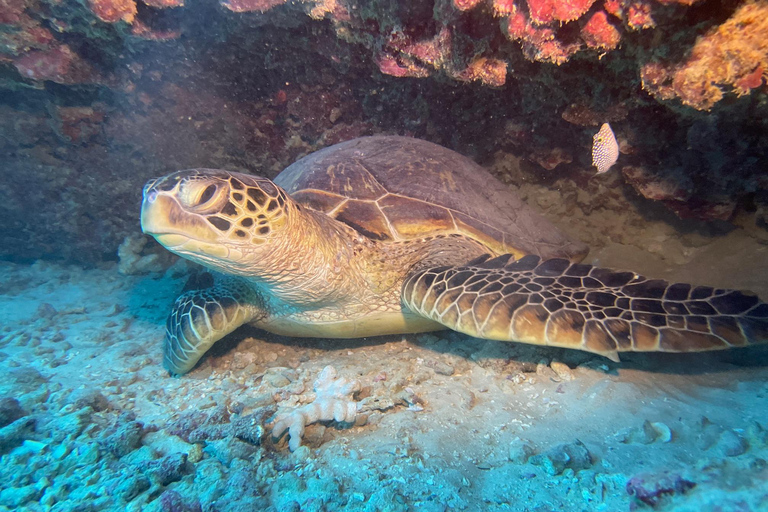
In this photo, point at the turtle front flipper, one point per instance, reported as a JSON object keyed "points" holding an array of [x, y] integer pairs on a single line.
{"points": [[558, 303], [200, 318]]}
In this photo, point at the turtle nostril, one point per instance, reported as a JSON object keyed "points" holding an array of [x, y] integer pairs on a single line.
{"points": [[151, 196]]}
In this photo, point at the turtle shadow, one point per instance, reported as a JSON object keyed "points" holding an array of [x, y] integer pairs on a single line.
{"points": [[500, 353]]}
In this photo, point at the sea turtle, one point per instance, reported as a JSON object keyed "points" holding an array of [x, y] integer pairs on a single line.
{"points": [[383, 235]]}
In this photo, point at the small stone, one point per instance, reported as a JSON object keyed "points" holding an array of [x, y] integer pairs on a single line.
{"points": [[230, 448], [132, 486], [61, 451], [664, 433], [710, 434], [14, 497], [276, 380], [555, 460], [645, 435], [167, 470], [125, 439], [562, 370], [440, 367], [651, 488], [301, 455], [88, 397], [172, 501], [10, 411], [88, 453], [14, 434], [195, 454], [543, 370], [32, 447], [46, 310], [250, 428], [71, 424], [520, 451], [732, 444]]}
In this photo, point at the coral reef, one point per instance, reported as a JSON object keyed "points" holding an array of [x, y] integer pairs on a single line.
{"points": [[729, 58], [101, 95], [333, 402]]}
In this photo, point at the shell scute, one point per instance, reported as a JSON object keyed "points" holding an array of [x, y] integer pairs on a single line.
{"points": [[365, 217], [412, 218], [422, 189]]}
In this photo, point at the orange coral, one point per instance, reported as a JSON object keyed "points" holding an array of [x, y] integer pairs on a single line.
{"points": [[112, 11], [490, 71], [503, 7], [731, 56], [465, 5]]}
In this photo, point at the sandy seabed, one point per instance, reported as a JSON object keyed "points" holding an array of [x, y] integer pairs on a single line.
{"points": [[89, 420]]}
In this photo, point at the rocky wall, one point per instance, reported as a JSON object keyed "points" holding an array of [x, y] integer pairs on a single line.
{"points": [[98, 96]]}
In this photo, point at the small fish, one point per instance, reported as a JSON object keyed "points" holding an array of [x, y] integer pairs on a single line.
{"points": [[605, 149]]}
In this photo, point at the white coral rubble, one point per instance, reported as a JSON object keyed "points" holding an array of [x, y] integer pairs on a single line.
{"points": [[333, 401]]}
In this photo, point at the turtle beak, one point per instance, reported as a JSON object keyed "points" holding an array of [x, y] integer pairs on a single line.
{"points": [[178, 231], [172, 226]]}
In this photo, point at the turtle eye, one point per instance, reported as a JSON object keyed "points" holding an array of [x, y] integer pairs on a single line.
{"points": [[206, 195], [200, 197]]}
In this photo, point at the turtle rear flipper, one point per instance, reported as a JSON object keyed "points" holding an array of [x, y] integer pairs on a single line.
{"points": [[557, 303], [200, 318]]}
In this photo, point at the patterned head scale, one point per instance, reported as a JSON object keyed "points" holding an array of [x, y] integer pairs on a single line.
{"points": [[605, 149]]}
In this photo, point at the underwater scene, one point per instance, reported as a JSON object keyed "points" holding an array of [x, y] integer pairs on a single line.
{"points": [[383, 256]]}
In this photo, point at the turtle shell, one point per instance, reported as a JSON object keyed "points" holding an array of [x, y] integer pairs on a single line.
{"points": [[399, 188]]}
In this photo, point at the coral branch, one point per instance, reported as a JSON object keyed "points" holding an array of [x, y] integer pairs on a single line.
{"points": [[333, 401]]}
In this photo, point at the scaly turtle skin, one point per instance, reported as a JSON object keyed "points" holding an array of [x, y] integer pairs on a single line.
{"points": [[384, 235]]}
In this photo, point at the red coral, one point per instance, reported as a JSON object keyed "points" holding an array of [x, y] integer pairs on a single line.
{"points": [[112, 11], [676, 190], [389, 65], [517, 26], [431, 51], [548, 11], [599, 33], [58, 64], [22, 32], [539, 43], [614, 7], [78, 124], [551, 158], [251, 5], [11, 11], [656, 187], [639, 15], [750, 81]]}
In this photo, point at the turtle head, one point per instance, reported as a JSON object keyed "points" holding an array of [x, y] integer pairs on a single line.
{"points": [[223, 220]]}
